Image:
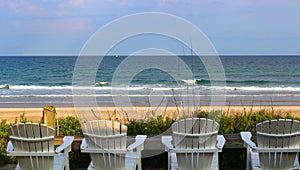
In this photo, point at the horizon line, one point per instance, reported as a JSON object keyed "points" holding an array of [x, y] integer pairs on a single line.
{"points": [[73, 55]]}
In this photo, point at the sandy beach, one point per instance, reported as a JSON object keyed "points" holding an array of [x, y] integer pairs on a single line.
{"points": [[35, 114]]}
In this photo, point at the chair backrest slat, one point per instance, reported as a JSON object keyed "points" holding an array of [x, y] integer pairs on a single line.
{"points": [[212, 126], [30, 134], [288, 126], [273, 130], [202, 130], [87, 127], [37, 134], [263, 142], [196, 130], [273, 127], [31, 144], [189, 124], [22, 133], [295, 140], [38, 146], [110, 132], [178, 140], [117, 130], [266, 129], [202, 127], [14, 131], [295, 126]]}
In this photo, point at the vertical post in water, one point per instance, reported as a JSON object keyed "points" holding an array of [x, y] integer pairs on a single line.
{"points": [[49, 114]]}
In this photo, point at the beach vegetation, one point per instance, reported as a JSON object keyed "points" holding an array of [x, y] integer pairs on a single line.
{"points": [[21, 119], [3, 144], [69, 126], [152, 127], [243, 121]]}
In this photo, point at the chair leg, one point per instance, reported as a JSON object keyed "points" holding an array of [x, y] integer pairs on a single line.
{"points": [[169, 161], [217, 159], [298, 157], [67, 161], [248, 159], [139, 165]]}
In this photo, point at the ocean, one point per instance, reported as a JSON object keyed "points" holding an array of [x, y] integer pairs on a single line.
{"points": [[35, 81]]}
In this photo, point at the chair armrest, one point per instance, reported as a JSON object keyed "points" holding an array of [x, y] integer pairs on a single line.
{"points": [[220, 142], [83, 144], [166, 141], [139, 143], [246, 137], [268, 150], [10, 147], [66, 144]]}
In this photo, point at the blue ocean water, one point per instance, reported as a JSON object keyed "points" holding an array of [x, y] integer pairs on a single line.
{"points": [[27, 81]]}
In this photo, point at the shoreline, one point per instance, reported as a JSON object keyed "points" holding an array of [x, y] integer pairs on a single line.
{"points": [[144, 100], [138, 113]]}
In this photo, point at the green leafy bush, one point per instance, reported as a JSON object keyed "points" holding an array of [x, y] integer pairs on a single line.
{"points": [[154, 126], [69, 126], [4, 138]]}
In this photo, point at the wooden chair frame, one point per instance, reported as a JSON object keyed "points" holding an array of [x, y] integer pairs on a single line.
{"points": [[106, 141], [196, 138], [278, 145], [33, 145]]}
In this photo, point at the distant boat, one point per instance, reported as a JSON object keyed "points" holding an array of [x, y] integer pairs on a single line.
{"points": [[4, 86], [117, 56]]}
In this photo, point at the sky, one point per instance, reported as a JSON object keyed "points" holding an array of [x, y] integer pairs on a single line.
{"points": [[62, 27]]}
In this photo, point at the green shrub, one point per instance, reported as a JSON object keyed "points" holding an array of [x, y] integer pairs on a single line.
{"points": [[4, 138], [153, 127], [69, 126]]}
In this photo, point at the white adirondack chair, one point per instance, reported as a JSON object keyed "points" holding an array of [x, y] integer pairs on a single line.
{"points": [[277, 145], [196, 144], [33, 145], [106, 141]]}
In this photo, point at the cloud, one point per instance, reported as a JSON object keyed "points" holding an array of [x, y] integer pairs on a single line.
{"points": [[230, 20], [22, 7], [71, 3], [76, 2], [42, 16], [42, 8], [56, 27]]}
